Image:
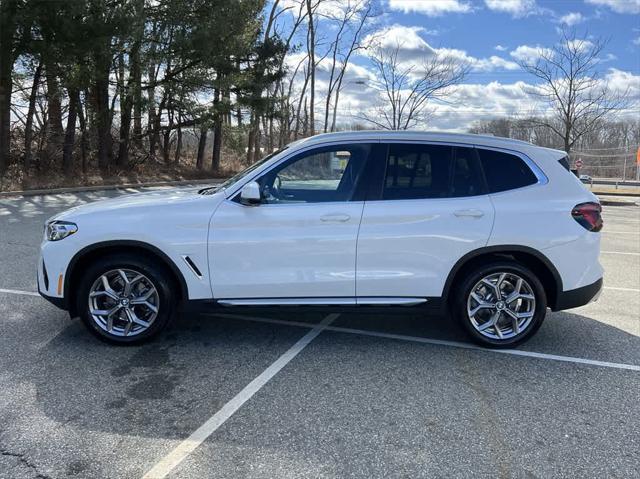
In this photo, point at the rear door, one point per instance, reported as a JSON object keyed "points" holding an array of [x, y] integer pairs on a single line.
{"points": [[429, 209]]}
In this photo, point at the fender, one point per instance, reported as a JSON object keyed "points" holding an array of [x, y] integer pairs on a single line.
{"points": [[117, 244], [502, 249]]}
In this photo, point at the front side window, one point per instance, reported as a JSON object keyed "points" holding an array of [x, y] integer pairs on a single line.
{"points": [[321, 175], [416, 171], [505, 171]]}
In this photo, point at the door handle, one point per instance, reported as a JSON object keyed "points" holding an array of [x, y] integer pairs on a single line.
{"points": [[339, 218], [472, 213]]}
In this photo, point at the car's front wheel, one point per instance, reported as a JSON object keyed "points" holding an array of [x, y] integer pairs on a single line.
{"points": [[125, 299], [501, 304]]}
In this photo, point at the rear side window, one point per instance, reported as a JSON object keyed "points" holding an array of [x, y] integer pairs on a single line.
{"points": [[565, 163], [504, 171], [415, 171]]}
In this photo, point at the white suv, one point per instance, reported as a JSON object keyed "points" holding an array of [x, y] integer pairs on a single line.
{"points": [[494, 230]]}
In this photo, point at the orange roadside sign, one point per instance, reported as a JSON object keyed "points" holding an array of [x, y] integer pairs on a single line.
{"points": [[638, 157]]}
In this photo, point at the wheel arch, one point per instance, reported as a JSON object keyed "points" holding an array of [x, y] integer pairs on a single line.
{"points": [[96, 250], [529, 257]]}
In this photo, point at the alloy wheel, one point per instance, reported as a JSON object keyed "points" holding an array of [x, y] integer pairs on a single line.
{"points": [[501, 305], [123, 302]]}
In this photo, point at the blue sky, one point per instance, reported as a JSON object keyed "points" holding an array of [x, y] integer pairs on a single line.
{"points": [[492, 35], [510, 24]]}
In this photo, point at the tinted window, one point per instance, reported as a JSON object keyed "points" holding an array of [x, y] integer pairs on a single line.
{"points": [[467, 177], [504, 171], [325, 174], [430, 171], [565, 163]]}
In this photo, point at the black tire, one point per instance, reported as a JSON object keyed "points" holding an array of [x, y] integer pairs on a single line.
{"points": [[156, 273], [473, 277]]}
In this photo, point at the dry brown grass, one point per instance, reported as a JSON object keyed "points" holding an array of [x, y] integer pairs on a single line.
{"points": [[138, 172]]}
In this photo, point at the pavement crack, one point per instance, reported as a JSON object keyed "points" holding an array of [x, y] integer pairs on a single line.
{"points": [[22, 459]]}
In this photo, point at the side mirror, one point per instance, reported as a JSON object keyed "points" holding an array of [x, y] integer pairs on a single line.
{"points": [[250, 194]]}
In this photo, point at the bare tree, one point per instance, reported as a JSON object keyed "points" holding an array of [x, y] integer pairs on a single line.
{"points": [[406, 89], [311, 48], [350, 28], [572, 86]]}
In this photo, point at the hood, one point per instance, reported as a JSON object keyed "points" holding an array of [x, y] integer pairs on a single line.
{"points": [[162, 198]]}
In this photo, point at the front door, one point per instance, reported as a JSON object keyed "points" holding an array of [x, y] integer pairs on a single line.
{"points": [[300, 241]]}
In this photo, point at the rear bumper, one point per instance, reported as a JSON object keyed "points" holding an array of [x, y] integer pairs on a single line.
{"points": [[578, 297]]}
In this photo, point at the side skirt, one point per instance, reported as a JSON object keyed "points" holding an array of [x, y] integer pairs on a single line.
{"points": [[433, 305]]}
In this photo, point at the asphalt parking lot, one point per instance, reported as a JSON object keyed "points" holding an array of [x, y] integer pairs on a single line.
{"points": [[309, 394]]}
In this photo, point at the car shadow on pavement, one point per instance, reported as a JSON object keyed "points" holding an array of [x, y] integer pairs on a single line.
{"points": [[166, 388]]}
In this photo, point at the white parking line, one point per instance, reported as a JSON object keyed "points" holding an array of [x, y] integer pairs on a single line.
{"points": [[186, 447], [622, 232], [443, 342], [631, 290], [18, 291], [620, 252]]}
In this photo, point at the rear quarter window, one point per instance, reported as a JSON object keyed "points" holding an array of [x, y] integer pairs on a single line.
{"points": [[565, 163], [505, 171]]}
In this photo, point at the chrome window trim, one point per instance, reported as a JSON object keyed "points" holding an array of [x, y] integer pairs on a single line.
{"points": [[288, 154]]}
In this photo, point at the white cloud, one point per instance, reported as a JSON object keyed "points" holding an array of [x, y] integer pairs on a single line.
{"points": [[580, 45], [572, 18], [621, 81], [479, 64], [432, 8], [468, 102], [516, 8], [414, 49], [619, 6], [636, 41], [407, 38], [500, 48], [529, 54]]}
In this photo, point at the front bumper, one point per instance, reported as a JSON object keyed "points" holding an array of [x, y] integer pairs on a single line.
{"points": [[579, 296], [59, 302]]}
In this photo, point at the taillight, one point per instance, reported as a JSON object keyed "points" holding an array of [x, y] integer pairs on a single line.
{"points": [[588, 215]]}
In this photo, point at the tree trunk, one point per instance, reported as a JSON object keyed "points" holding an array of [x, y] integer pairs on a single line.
{"points": [[250, 142], [8, 10], [217, 145], [166, 137], [202, 143], [312, 67], [217, 132], [136, 78], [125, 130], [176, 158], [154, 137], [83, 134], [70, 134], [28, 129], [102, 109], [257, 153], [136, 74], [55, 133]]}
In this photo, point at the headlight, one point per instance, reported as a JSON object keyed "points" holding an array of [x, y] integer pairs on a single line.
{"points": [[57, 230]]}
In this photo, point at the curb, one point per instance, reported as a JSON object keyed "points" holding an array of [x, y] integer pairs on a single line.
{"points": [[615, 193], [81, 189], [616, 202]]}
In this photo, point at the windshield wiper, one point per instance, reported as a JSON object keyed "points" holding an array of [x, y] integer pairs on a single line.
{"points": [[209, 190]]}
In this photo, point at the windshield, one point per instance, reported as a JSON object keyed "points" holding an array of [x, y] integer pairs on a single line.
{"points": [[237, 176]]}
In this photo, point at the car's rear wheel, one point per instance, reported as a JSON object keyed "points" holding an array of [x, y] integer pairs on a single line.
{"points": [[501, 304], [125, 299]]}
